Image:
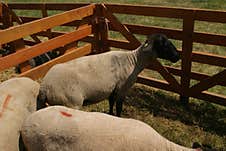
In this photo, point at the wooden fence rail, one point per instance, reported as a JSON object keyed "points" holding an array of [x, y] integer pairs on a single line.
{"points": [[36, 50], [41, 70], [100, 16], [43, 25], [30, 28]]}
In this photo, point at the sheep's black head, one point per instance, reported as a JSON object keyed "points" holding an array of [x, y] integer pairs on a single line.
{"points": [[162, 47], [203, 147]]}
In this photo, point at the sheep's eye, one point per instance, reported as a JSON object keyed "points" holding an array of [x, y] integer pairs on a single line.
{"points": [[146, 44]]}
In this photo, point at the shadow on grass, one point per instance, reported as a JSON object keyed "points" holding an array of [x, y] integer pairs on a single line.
{"points": [[206, 115]]}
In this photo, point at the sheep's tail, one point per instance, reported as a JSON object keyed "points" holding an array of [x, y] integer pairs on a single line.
{"points": [[41, 100]]}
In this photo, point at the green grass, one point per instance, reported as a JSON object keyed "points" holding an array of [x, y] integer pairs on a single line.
{"points": [[208, 4], [201, 121]]}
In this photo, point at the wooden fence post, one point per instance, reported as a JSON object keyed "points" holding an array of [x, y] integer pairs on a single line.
{"points": [[100, 29], [1, 6], [45, 14], [1, 25], [95, 29], [18, 44], [103, 25], [188, 30]]}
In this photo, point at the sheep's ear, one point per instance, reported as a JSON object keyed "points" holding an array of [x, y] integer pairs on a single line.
{"points": [[163, 41]]}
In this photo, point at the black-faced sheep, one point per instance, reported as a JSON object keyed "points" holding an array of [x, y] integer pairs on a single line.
{"points": [[17, 101], [91, 79], [65, 129]]}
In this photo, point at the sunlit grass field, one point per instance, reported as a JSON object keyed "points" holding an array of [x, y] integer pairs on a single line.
{"points": [[200, 122]]}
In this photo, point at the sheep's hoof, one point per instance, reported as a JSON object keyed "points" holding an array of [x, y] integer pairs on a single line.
{"points": [[118, 115], [111, 113], [196, 145]]}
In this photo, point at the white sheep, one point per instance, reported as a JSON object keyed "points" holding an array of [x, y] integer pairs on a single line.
{"points": [[65, 129], [91, 79], [17, 100]]}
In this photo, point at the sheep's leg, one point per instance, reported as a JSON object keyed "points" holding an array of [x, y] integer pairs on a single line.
{"points": [[111, 100], [40, 102], [111, 105], [119, 106], [21, 144]]}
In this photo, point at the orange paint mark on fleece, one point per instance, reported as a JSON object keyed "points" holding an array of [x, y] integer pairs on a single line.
{"points": [[65, 114], [5, 104]]}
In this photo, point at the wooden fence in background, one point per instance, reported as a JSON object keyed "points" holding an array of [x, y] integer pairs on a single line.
{"points": [[92, 22], [37, 47]]}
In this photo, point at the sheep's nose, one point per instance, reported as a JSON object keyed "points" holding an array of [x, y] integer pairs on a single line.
{"points": [[175, 58]]}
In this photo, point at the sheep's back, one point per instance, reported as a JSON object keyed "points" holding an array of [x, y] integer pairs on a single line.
{"points": [[62, 128]]}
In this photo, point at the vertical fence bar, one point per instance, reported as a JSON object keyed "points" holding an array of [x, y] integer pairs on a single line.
{"points": [[100, 30], [188, 30], [103, 26], [95, 29], [1, 26], [1, 9], [7, 19], [45, 14]]}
